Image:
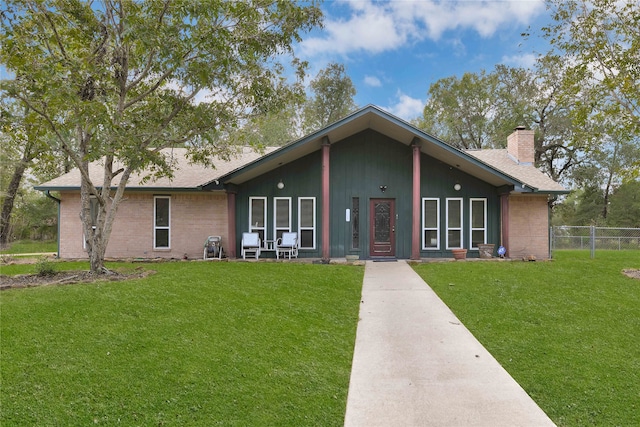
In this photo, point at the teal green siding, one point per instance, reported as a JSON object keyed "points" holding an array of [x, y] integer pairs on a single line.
{"points": [[359, 165], [437, 180], [301, 178]]}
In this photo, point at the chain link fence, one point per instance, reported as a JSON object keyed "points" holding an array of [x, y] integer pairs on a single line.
{"points": [[595, 238]]}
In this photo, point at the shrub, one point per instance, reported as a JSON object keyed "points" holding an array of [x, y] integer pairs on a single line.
{"points": [[44, 267]]}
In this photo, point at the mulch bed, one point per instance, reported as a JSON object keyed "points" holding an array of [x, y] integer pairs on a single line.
{"points": [[67, 278]]}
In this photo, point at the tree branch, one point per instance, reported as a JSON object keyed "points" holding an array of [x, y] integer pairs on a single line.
{"points": [[149, 91]]}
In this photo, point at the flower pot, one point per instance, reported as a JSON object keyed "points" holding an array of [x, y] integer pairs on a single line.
{"points": [[459, 253], [486, 250]]}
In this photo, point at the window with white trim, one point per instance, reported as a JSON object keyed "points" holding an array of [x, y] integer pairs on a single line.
{"points": [[161, 222], [478, 215], [454, 223], [258, 216], [281, 216], [307, 222], [430, 223]]}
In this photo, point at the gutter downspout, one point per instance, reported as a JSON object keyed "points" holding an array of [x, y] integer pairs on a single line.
{"points": [[48, 194]]}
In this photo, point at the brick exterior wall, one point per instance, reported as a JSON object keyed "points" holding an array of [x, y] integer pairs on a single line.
{"points": [[194, 216], [528, 226]]}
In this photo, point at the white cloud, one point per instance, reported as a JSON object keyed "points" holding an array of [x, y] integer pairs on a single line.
{"points": [[526, 60], [406, 107], [375, 27], [372, 81], [369, 27]]}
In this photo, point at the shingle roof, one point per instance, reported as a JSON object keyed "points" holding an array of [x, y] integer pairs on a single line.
{"points": [[495, 167], [527, 174], [187, 175]]}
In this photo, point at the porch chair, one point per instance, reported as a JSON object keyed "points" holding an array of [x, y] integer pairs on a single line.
{"points": [[213, 247], [250, 244], [287, 245]]}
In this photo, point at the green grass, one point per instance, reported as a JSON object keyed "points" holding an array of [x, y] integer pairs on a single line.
{"points": [[568, 330], [30, 246], [233, 344]]}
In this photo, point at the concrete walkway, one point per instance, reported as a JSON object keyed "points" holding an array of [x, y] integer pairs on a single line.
{"points": [[415, 364]]}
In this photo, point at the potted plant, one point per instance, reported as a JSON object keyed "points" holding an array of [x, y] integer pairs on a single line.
{"points": [[486, 250], [459, 253]]}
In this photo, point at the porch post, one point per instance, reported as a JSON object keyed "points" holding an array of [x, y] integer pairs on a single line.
{"points": [[230, 247], [504, 218], [325, 199], [415, 224]]}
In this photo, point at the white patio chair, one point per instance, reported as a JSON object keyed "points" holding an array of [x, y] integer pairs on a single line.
{"points": [[250, 244], [213, 247], [287, 245]]}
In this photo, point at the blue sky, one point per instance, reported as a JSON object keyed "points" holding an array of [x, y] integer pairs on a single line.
{"points": [[394, 50]]}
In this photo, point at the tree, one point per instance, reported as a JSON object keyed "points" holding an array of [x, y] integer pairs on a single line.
{"points": [[460, 110], [23, 135], [271, 129], [625, 206], [481, 110], [121, 81], [332, 99], [599, 43]]}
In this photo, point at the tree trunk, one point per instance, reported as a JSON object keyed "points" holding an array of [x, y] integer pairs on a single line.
{"points": [[12, 190], [607, 190], [7, 205]]}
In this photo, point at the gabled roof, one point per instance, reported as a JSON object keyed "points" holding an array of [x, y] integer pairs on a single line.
{"points": [[187, 175], [495, 169], [527, 174], [492, 166]]}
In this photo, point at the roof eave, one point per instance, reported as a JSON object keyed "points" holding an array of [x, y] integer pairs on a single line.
{"points": [[137, 189]]}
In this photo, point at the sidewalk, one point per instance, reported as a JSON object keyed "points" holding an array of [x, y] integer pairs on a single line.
{"points": [[415, 364]]}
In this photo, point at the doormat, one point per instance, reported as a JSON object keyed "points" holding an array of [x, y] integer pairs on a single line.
{"points": [[385, 260]]}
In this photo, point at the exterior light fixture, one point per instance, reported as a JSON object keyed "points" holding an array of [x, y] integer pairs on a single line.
{"points": [[280, 185], [457, 186], [383, 188]]}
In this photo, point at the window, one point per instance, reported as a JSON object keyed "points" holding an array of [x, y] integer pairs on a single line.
{"points": [[282, 216], [355, 223], [478, 215], [454, 223], [307, 222], [258, 216], [430, 223], [161, 222]]}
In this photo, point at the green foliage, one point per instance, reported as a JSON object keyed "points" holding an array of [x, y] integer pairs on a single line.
{"points": [[624, 207], [34, 217], [480, 110], [459, 110], [124, 79], [44, 267], [332, 99], [23, 152], [565, 330], [270, 129], [586, 206], [598, 43], [235, 344]]}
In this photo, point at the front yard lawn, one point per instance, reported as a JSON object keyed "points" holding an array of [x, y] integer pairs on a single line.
{"points": [[198, 343], [567, 330], [31, 246]]}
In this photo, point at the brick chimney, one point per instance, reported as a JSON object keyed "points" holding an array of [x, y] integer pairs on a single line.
{"points": [[520, 146]]}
